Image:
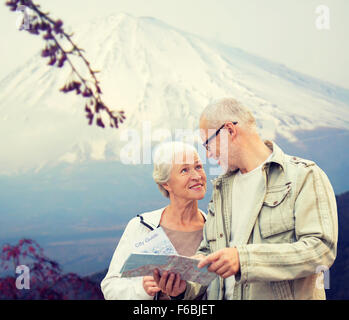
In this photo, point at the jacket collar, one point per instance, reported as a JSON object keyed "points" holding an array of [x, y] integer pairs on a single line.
{"points": [[153, 217], [277, 157]]}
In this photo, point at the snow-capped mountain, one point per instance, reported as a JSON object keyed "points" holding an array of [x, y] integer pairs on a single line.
{"points": [[155, 73], [75, 203]]}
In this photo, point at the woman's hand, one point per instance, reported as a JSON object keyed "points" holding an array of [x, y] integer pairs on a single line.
{"points": [[150, 286], [170, 283]]}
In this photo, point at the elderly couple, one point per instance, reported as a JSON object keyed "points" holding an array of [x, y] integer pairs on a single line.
{"points": [[271, 224]]}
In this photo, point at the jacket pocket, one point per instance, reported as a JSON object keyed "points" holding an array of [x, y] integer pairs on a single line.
{"points": [[276, 217]]}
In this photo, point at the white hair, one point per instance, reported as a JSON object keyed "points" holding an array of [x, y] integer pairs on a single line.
{"points": [[165, 155], [228, 109]]}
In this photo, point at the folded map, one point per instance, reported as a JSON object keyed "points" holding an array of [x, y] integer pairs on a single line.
{"points": [[156, 242], [143, 264]]}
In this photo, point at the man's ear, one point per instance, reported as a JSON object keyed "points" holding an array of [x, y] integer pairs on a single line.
{"points": [[231, 128]]}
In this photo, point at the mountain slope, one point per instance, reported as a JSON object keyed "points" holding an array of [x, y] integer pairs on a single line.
{"points": [[159, 74]]}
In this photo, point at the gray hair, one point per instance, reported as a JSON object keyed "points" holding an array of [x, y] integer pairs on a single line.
{"points": [[164, 158], [228, 109]]}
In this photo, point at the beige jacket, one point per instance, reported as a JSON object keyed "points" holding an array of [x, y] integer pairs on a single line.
{"points": [[291, 237]]}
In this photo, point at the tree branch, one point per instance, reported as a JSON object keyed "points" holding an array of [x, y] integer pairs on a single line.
{"points": [[41, 22]]}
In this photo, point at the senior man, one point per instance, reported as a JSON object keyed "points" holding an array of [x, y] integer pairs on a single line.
{"points": [[272, 224]]}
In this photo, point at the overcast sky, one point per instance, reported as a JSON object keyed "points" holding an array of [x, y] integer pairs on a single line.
{"points": [[284, 31]]}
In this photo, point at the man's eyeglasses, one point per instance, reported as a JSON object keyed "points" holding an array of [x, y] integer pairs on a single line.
{"points": [[205, 144]]}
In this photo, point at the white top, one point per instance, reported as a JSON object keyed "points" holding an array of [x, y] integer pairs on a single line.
{"points": [[245, 188], [113, 286]]}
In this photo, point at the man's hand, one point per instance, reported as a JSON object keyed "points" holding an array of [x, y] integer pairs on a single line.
{"points": [[150, 286], [170, 283], [224, 262]]}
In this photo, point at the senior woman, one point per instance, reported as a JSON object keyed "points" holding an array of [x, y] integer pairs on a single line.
{"points": [[180, 176]]}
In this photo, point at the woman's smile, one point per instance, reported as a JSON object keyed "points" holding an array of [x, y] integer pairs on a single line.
{"points": [[197, 187]]}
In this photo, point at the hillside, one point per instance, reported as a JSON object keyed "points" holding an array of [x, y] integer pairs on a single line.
{"points": [[163, 78]]}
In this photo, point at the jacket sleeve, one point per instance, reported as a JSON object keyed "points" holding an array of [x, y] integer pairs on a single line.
{"points": [[316, 231], [195, 291], [113, 286]]}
